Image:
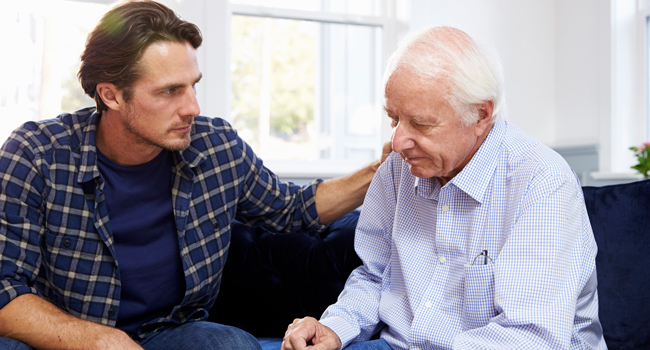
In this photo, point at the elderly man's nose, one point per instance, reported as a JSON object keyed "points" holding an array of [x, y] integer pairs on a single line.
{"points": [[401, 139]]}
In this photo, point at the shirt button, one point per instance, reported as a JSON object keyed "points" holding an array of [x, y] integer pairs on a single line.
{"points": [[445, 208], [442, 259], [428, 304], [111, 313], [67, 243]]}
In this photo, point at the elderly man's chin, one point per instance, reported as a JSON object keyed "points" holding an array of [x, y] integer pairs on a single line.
{"points": [[421, 172]]}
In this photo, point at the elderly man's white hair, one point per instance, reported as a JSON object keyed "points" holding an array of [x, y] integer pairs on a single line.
{"points": [[446, 55]]}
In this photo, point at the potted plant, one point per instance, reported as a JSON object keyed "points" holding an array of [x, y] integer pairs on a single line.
{"points": [[641, 154]]}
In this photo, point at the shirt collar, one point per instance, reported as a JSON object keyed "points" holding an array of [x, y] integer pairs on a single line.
{"points": [[427, 187], [191, 156], [475, 178], [88, 169]]}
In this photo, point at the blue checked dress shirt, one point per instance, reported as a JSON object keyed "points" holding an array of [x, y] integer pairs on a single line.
{"points": [[55, 233], [419, 280]]}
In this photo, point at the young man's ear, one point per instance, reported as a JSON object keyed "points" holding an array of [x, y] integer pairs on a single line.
{"points": [[111, 95]]}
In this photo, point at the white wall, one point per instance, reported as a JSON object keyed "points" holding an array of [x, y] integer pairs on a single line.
{"points": [[582, 70], [600, 90], [523, 32]]}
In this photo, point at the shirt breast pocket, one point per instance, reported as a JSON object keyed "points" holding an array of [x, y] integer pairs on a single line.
{"points": [[66, 255], [479, 296], [72, 247]]}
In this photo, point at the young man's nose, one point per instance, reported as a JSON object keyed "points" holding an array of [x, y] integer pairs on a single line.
{"points": [[190, 104]]}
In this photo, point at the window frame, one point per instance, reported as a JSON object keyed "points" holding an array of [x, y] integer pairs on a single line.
{"points": [[217, 51], [644, 65], [626, 117]]}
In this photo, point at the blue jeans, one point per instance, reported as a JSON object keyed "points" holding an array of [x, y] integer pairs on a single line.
{"points": [[10, 344], [378, 344], [201, 335], [189, 336]]}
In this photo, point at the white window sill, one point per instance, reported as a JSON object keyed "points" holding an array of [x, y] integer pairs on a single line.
{"points": [[600, 175], [313, 169]]}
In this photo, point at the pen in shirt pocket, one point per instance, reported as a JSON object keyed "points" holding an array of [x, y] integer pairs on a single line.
{"points": [[486, 257]]}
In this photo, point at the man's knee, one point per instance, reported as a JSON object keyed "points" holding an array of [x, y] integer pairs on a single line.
{"points": [[217, 336], [12, 344], [241, 339], [378, 344]]}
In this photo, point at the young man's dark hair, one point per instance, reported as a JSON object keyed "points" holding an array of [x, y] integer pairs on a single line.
{"points": [[114, 47]]}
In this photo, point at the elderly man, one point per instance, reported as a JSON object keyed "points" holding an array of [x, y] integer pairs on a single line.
{"points": [[473, 235], [115, 220]]}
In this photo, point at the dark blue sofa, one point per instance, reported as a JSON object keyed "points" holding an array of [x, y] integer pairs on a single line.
{"points": [[270, 279], [620, 218]]}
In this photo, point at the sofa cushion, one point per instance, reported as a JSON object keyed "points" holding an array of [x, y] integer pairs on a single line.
{"points": [[274, 278], [620, 218]]}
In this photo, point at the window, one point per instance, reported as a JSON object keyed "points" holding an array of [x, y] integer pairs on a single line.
{"points": [[305, 82], [299, 79], [303, 90], [624, 121], [356, 7], [45, 39]]}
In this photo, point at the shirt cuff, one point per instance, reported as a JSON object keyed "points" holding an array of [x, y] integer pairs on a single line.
{"points": [[309, 201], [346, 331], [10, 291]]}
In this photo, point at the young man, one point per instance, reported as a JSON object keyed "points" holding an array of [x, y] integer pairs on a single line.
{"points": [[115, 220]]}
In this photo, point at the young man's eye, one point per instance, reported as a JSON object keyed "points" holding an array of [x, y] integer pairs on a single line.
{"points": [[170, 91]]}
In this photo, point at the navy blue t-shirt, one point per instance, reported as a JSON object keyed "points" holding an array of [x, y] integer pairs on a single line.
{"points": [[140, 211]]}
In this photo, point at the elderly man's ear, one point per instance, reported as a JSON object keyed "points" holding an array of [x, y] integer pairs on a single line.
{"points": [[484, 117]]}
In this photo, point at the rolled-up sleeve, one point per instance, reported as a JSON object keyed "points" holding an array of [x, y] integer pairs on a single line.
{"points": [[21, 218], [265, 200]]}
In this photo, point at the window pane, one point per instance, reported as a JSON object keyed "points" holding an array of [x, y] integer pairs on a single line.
{"points": [[357, 7], [306, 90], [39, 77]]}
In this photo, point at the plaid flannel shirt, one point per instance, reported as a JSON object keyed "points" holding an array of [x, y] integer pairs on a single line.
{"points": [[55, 235]]}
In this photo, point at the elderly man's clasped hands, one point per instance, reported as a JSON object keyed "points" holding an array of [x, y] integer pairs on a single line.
{"points": [[308, 333]]}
